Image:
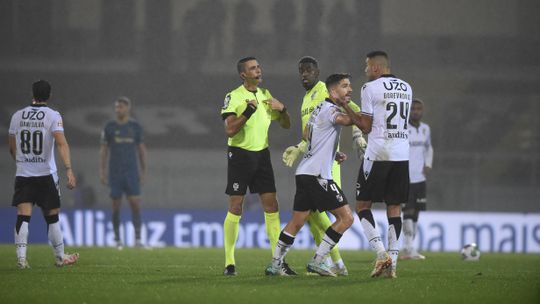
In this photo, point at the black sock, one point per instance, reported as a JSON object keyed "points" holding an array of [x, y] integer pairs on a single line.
{"points": [[51, 219], [368, 215], [333, 235], [136, 219], [116, 225], [286, 239], [396, 221], [20, 220]]}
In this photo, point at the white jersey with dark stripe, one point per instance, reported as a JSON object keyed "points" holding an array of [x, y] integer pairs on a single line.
{"points": [[387, 100], [323, 139], [421, 151], [33, 128]]}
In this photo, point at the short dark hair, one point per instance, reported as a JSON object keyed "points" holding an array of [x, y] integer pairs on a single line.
{"points": [[309, 59], [124, 100], [335, 79], [377, 54], [240, 63], [41, 90], [418, 100]]}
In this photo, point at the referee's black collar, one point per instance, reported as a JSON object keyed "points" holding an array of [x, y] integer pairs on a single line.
{"points": [[38, 105], [388, 75]]}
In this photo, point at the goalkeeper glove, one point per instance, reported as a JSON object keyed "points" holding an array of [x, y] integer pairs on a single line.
{"points": [[359, 143], [292, 153]]}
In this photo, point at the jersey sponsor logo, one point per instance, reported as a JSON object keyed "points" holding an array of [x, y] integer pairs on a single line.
{"points": [[399, 134], [307, 111], [35, 159], [395, 85], [33, 115], [123, 140]]}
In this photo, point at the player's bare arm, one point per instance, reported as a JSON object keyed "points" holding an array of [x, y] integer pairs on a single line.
{"points": [[103, 156], [284, 117], [233, 123], [12, 146], [63, 151], [142, 161], [363, 122]]}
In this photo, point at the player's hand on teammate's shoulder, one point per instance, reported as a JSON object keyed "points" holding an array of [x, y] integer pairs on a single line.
{"points": [[274, 104], [340, 157], [71, 180]]}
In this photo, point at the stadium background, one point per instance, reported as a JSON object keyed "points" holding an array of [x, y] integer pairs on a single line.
{"points": [[476, 64]]}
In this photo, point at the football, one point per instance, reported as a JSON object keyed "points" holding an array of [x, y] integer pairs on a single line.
{"points": [[470, 252]]}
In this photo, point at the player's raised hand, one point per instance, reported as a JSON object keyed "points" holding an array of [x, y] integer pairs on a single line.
{"points": [[274, 104], [340, 157], [71, 180]]}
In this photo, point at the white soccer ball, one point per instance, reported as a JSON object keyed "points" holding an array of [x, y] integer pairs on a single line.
{"points": [[470, 252]]}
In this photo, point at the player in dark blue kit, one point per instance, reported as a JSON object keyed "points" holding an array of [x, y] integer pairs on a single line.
{"points": [[122, 143]]}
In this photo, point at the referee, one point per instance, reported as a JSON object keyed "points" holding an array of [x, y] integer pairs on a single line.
{"points": [[247, 113]]}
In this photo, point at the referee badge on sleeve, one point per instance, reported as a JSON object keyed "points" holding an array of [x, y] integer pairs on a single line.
{"points": [[226, 102]]}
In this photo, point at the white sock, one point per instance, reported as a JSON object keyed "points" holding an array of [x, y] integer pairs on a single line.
{"points": [[282, 248], [393, 245], [57, 240], [324, 248], [408, 234], [415, 229], [21, 240], [374, 237]]}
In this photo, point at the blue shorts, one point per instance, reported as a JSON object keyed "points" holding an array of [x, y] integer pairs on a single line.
{"points": [[128, 184]]}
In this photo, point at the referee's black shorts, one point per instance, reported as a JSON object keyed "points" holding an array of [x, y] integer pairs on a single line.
{"points": [[39, 190], [383, 181], [249, 169]]}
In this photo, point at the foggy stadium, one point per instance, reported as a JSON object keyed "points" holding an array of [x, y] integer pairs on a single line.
{"points": [[475, 65]]}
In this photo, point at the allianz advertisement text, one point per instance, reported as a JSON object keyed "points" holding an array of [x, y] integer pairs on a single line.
{"points": [[437, 231]]}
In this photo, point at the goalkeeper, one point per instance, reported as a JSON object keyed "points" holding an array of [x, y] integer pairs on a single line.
{"points": [[316, 92]]}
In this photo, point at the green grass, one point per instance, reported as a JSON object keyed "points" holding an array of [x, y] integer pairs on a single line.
{"points": [[105, 275]]}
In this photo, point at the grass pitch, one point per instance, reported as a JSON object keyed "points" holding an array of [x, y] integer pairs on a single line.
{"points": [[106, 275]]}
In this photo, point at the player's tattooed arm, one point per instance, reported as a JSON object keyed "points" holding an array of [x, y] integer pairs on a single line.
{"points": [[12, 146]]}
